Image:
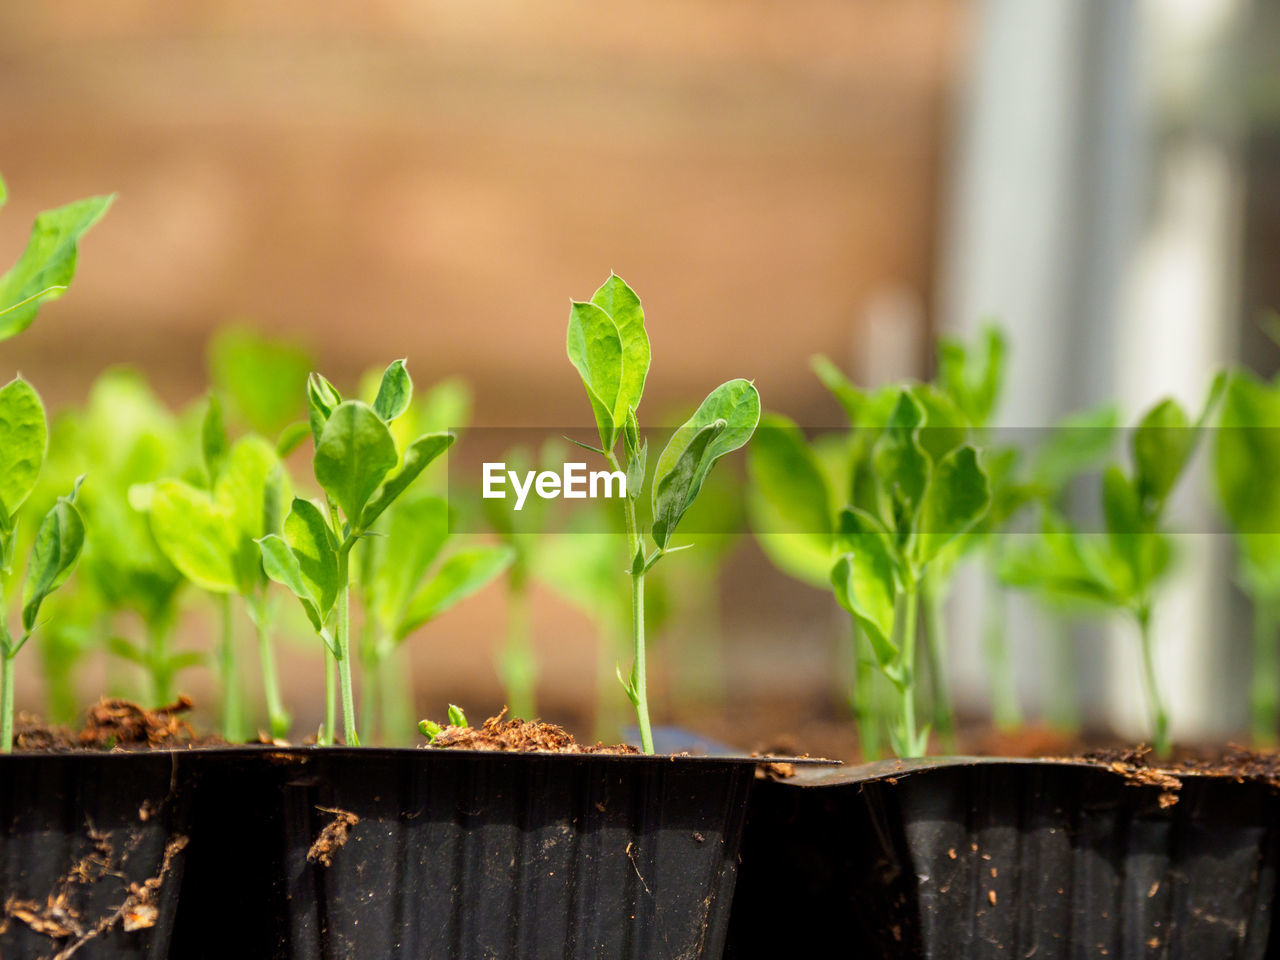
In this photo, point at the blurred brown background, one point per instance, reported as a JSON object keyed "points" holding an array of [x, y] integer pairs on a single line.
{"points": [[436, 180]]}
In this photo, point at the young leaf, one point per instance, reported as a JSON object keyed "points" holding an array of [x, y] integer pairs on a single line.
{"points": [[900, 463], [417, 458], [291, 437], [316, 549], [261, 377], [1162, 445], [956, 498], [48, 263], [394, 393], [622, 305], [353, 455], [595, 349], [863, 584], [213, 439], [675, 490], [1246, 455], [974, 378], [456, 717], [23, 438], [198, 537], [322, 399], [282, 566], [459, 577], [59, 542], [429, 729], [416, 531], [853, 400]]}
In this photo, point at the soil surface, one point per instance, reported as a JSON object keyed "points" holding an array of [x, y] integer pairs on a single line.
{"points": [[521, 736], [113, 725], [1140, 767]]}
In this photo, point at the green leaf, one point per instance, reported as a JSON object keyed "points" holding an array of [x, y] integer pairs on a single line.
{"points": [[429, 729], [1126, 526], [945, 427], [1246, 455], [48, 263], [282, 566], [417, 457], [456, 717], [863, 583], [394, 393], [322, 399], [416, 531], [262, 378], [1162, 445], [291, 437], [199, 537], [901, 465], [594, 347], [974, 378], [213, 440], [737, 403], [4, 192], [622, 305], [354, 454], [316, 549], [957, 497], [675, 490], [59, 542], [23, 439], [789, 501], [251, 491], [1077, 443], [461, 575], [853, 400]]}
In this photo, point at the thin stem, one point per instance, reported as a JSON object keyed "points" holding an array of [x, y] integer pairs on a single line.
{"points": [[344, 656], [158, 661], [6, 700], [330, 698], [935, 645], [1264, 690], [864, 708], [639, 687], [1155, 703], [517, 667], [232, 728], [7, 654], [277, 716], [908, 739]]}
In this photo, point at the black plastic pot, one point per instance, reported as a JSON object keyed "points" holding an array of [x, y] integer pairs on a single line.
{"points": [[1007, 858], [91, 854], [461, 855]]}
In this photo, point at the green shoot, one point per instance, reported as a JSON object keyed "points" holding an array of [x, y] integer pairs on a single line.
{"points": [[362, 473], [608, 345]]}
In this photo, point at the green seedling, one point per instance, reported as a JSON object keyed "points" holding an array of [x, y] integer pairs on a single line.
{"points": [[1246, 462], [362, 472], [210, 535], [1122, 570], [386, 686], [608, 345], [430, 729], [58, 542]]}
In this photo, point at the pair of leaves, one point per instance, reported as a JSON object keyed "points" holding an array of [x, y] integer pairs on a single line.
{"points": [[609, 347], [209, 536], [973, 377], [356, 461], [724, 422], [48, 264]]}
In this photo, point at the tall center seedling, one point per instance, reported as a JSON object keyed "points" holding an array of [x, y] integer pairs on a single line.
{"points": [[609, 347], [362, 473]]}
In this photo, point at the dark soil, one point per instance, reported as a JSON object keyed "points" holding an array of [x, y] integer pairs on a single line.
{"points": [[521, 736], [113, 725], [333, 837], [1140, 767]]}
